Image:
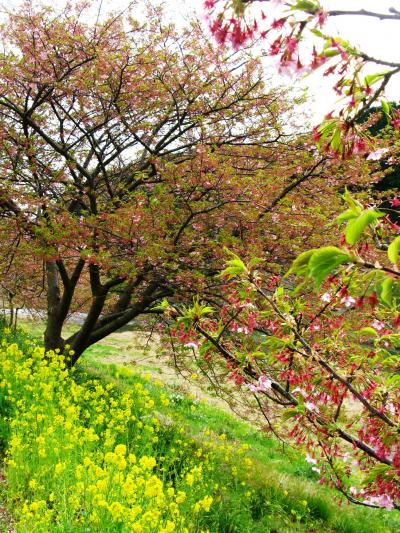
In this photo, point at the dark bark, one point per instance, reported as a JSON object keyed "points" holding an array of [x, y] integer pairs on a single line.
{"points": [[52, 335], [97, 324], [58, 304]]}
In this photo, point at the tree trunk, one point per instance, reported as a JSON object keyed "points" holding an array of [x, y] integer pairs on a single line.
{"points": [[52, 335], [97, 327]]}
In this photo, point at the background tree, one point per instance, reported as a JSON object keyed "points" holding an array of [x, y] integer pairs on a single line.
{"points": [[130, 153]]}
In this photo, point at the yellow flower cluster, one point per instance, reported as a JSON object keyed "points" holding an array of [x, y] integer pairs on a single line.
{"points": [[82, 454]]}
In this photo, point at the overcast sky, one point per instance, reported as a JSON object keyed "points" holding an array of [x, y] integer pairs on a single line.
{"points": [[378, 38]]}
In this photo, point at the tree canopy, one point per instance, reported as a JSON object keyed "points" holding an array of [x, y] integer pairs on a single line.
{"points": [[131, 153]]}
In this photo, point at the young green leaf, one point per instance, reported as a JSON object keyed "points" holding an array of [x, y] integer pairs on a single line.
{"points": [[319, 33], [235, 267], [336, 141], [275, 343], [255, 261], [306, 5], [370, 79], [327, 127], [326, 260], [357, 226], [394, 250], [289, 413], [354, 205], [386, 108], [349, 214], [387, 291], [331, 52], [367, 331], [300, 264]]}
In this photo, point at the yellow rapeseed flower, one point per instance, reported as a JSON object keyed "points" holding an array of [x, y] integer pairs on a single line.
{"points": [[168, 528], [116, 509], [120, 449], [154, 487], [180, 497], [147, 463]]}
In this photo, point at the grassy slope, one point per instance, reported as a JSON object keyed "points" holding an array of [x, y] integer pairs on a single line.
{"points": [[289, 496], [282, 480]]}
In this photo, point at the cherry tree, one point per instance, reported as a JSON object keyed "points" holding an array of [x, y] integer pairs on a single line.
{"points": [[319, 367], [131, 153], [316, 354]]}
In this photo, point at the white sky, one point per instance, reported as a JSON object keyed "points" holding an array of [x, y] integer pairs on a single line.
{"points": [[378, 38]]}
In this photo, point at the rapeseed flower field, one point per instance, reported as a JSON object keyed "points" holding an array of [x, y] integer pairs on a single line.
{"points": [[84, 456]]}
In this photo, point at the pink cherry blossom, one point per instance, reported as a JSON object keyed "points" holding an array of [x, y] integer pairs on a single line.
{"points": [[348, 301], [262, 385], [383, 500], [191, 345], [311, 460], [378, 325], [310, 406]]}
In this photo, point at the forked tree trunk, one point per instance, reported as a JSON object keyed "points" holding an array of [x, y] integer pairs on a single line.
{"points": [[97, 325]]}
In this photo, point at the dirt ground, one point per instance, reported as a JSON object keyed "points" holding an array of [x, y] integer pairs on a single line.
{"points": [[146, 354]]}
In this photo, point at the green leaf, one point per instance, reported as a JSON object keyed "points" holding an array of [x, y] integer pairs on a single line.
{"points": [[349, 214], [289, 413], [300, 264], [336, 141], [192, 314], [343, 42], [235, 267], [275, 343], [386, 108], [258, 355], [255, 261], [370, 79], [367, 331], [357, 226], [163, 306], [318, 33], [354, 205], [327, 127], [393, 380], [280, 291], [306, 5], [375, 471], [324, 261], [330, 52], [386, 294], [394, 250]]}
